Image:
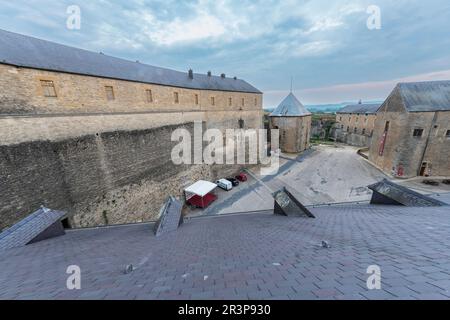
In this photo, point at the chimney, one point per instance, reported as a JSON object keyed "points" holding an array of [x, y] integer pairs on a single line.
{"points": [[360, 101], [191, 74], [222, 75], [209, 73], [235, 78]]}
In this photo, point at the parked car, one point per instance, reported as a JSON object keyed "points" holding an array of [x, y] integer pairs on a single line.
{"points": [[234, 181], [241, 177], [224, 184]]}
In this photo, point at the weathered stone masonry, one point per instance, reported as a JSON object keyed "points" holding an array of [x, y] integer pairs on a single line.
{"points": [[104, 161], [109, 178]]}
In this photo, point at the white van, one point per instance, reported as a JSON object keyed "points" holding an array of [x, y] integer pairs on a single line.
{"points": [[224, 184]]}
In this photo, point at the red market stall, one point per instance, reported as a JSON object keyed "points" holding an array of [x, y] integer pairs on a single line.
{"points": [[200, 194]]}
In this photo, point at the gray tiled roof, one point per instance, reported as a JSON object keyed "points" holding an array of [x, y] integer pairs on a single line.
{"points": [[371, 108], [29, 228], [290, 107], [24, 51], [426, 96]]}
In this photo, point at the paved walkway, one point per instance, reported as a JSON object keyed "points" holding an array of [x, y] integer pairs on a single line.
{"points": [[255, 256]]}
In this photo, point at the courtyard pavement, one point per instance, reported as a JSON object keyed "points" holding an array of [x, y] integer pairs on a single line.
{"points": [[322, 174], [250, 256]]}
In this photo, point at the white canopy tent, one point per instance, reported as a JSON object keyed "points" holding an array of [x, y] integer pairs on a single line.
{"points": [[200, 193], [200, 188]]}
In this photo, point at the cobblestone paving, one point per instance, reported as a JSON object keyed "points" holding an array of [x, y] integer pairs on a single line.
{"points": [[254, 256]]}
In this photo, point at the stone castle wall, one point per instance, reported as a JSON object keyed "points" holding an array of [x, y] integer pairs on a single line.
{"points": [[109, 178], [403, 153], [104, 162], [295, 132]]}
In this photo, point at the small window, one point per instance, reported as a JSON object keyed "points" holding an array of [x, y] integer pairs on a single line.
{"points": [[243, 102], [109, 93], [355, 130], [176, 98], [149, 95], [340, 118], [230, 102], [342, 126], [348, 129], [418, 132], [196, 99], [213, 101], [48, 88], [447, 134], [363, 131], [241, 124], [256, 102]]}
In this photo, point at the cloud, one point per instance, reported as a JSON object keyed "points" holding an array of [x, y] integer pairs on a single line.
{"points": [[374, 90]]}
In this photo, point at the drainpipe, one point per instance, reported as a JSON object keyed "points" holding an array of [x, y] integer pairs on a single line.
{"points": [[427, 142]]}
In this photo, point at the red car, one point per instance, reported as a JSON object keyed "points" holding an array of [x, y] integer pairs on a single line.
{"points": [[242, 177]]}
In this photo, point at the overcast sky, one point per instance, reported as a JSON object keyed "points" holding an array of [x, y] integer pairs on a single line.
{"points": [[324, 45]]}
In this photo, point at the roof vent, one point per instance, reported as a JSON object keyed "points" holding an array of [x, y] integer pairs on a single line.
{"points": [[209, 73], [191, 74], [222, 75]]}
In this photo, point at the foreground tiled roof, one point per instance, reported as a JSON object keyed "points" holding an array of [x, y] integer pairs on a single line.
{"points": [[254, 256], [29, 228], [23, 51], [362, 108], [426, 96], [290, 107]]}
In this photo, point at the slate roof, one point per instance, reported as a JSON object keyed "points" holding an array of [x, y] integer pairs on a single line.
{"points": [[369, 108], [249, 256], [290, 107], [29, 228], [24, 51], [426, 96]]}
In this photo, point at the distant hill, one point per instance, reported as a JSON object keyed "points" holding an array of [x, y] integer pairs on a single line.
{"points": [[327, 108]]}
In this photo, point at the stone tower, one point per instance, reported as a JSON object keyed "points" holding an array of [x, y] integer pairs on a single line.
{"points": [[294, 122]]}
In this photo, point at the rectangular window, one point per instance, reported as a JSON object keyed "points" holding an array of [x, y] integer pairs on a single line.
{"points": [[109, 93], [418, 132], [213, 101], [48, 88], [340, 118], [243, 102], [230, 102], [355, 130], [256, 102], [149, 95], [447, 134], [176, 98], [196, 99], [363, 131]]}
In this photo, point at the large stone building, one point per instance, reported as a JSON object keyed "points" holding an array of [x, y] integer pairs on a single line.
{"points": [[355, 124], [294, 122], [412, 131], [91, 134]]}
